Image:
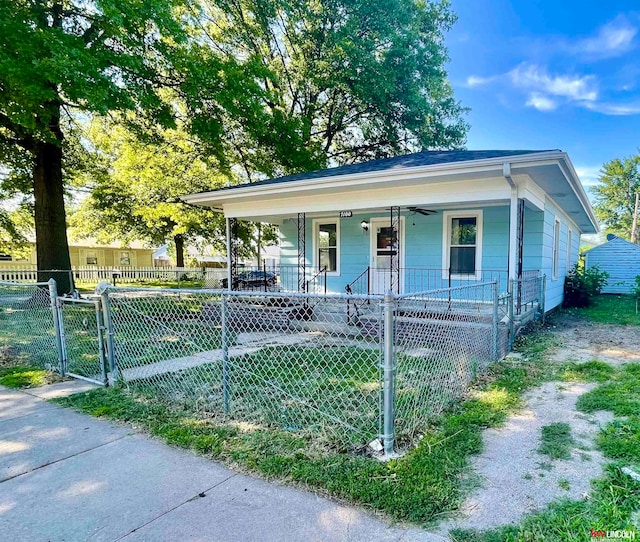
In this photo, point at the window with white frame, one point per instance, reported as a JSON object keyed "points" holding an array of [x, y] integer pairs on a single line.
{"points": [[326, 245], [92, 257], [569, 242], [462, 243], [556, 249], [125, 258]]}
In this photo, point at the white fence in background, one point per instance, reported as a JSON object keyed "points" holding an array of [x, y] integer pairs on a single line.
{"points": [[211, 277]]}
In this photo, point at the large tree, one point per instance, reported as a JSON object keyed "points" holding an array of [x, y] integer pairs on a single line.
{"points": [[615, 194], [64, 57], [334, 81], [135, 187]]}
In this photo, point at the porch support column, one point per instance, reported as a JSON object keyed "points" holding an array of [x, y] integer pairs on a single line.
{"points": [[302, 251], [520, 237], [395, 250], [520, 253], [513, 222], [232, 253]]}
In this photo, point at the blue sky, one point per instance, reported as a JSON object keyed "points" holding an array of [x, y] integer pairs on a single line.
{"points": [[549, 74]]}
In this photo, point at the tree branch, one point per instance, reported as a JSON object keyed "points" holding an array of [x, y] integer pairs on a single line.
{"points": [[22, 138]]}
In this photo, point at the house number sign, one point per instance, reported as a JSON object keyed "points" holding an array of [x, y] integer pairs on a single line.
{"points": [[346, 214]]}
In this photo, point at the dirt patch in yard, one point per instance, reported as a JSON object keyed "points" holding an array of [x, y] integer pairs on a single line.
{"points": [[515, 479], [584, 341]]}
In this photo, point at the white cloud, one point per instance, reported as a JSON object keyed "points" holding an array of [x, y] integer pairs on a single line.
{"points": [[476, 81], [607, 108], [547, 91], [588, 174], [612, 39], [541, 102], [537, 80]]}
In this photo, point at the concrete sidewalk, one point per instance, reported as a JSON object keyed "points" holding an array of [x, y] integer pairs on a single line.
{"points": [[65, 476]]}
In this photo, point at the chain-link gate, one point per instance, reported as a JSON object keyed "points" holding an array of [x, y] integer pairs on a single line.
{"points": [[81, 334]]}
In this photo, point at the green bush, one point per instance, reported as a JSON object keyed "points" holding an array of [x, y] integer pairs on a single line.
{"points": [[580, 285], [635, 290]]}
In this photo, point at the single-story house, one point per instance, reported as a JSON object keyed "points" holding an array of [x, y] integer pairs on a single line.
{"points": [[420, 221], [619, 258], [88, 253]]}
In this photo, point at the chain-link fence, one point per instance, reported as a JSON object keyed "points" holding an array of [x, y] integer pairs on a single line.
{"points": [[290, 361], [443, 339], [27, 325], [81, 334], [309, 363], [344, 369]]}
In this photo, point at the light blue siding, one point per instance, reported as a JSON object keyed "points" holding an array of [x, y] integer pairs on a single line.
{"points": [[422, 244], [533, 238], [495, 250], [555, 286], [621, 260]]}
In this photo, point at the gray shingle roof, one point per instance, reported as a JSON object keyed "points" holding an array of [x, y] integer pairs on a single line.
{"points": [[425, 158]]}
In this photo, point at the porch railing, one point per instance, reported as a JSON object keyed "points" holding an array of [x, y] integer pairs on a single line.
{"points": [[317, 284], [361, 285]]}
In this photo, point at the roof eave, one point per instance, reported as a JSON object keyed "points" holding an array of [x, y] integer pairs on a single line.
{"points": [[229, 193], [575, 184]]}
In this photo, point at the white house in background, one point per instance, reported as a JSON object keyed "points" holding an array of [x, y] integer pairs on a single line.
{"points": [[619, 258], [421, 221]]}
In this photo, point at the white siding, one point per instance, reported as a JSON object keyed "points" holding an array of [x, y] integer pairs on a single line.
{"points": [[621, 260]]}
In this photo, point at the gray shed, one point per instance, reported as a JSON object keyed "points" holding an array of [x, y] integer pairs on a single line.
{"points": [[619, 258]]}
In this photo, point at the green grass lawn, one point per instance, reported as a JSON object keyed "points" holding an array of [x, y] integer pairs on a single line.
{"points": [[147, 330], [154, 329], [556, 441], [28, 335], [610, 309], [21, 376], [87, 287]]}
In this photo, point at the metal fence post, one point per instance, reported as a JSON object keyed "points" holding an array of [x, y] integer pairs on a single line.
{"points": [[224, 330], [388, 393], [108, 324], [496, 297], [101, 352], [57, 324], [512, 327]]}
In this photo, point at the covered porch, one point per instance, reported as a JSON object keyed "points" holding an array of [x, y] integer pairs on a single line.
{"points": [[404, 249], [414, 223]]}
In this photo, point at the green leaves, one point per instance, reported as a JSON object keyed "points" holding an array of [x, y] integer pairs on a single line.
{"points": [[137, 185], [615, 194], [92, 56], [301, 85]]}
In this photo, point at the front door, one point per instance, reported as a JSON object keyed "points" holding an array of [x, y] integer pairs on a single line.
{"points": [[384, 244]]}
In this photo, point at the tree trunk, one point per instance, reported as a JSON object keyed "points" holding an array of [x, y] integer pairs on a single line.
{"points": [[52, 247], [179, 241]]}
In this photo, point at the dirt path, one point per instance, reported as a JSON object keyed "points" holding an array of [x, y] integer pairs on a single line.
{"points": [[584, 341], [514, 478]]}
